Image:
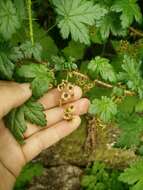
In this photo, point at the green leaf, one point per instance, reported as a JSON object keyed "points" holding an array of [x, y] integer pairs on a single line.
{"points": [[6, 67], [117, 91], [101, 66], [139, 106], [98, 177], [133, 176], [21, 8], [131, 75], [31, 51], [59, 63], [95, 35], [9, 21], [105, 108], [33, 112], [128, 104], [74, 17], [41, 37], [39, 76], [16, 123], [129, 10], [131, 129], [74, 49], [40, 84], [110, 23]]}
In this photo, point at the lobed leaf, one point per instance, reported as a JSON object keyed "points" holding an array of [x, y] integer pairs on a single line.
{"points": [[74, 17]]}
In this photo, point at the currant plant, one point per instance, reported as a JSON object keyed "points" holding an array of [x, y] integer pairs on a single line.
{"points": [[96, 44]]}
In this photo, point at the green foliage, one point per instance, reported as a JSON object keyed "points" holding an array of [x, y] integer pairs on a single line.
{"points": [[131, 75], [9, 21], [6, 64], [31, 51], [119, 16], [101, 66], [133, 176], [129, 11], [16, 120], [131, 129], [128, 104], [103, 41], [39, 75], [33, 112], [108, 24], [98, 177], [28, 173], [74, 16], [62, 64], [105, 108], [139, 106], [74, 49]]}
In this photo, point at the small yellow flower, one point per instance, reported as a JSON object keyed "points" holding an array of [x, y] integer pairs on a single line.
{"points": [[65, 96], [60, 87]]}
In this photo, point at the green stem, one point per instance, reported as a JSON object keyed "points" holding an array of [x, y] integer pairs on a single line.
{"points": [[29, 6]]}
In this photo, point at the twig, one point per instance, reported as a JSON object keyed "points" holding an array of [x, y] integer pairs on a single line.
{"points": [[103, 84], [137, 32]]}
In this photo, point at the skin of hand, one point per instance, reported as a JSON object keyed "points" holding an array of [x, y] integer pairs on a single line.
{"points": [[14, 156]]}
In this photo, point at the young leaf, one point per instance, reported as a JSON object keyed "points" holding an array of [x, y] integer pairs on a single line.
{"points": [[104, 108], [101, 66], [131, 75], [74, 17], [110, 23], [39, 76], [133, 176], [98, 177], [9, 21], [15, 121], [62, 64], [131, 129], [33, 112], [31, 51], [129, 10]]}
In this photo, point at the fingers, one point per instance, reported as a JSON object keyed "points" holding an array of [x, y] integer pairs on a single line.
{"points": [[45, 138], [56, 114], [12, 95], [51, 99]]}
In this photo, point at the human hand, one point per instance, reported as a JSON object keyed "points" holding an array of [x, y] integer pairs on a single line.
{"points": [[14, 156]]}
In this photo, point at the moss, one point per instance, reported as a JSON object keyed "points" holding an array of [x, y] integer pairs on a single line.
{"points": [[71, 149]]}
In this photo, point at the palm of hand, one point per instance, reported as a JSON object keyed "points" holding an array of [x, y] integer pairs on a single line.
{"points": [[14, 156]]}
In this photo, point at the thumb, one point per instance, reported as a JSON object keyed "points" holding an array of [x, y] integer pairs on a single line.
{"points": [[12, 95]]}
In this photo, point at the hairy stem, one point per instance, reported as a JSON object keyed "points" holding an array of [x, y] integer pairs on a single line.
{"points": [[101, 83], [29, 7]]}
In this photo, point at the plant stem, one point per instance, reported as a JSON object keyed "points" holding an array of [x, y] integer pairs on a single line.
{"points": [[136, 32], [29, 6], [101, 83]]}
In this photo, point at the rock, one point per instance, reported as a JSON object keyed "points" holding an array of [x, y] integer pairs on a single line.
{"points": [[64, 177]]}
